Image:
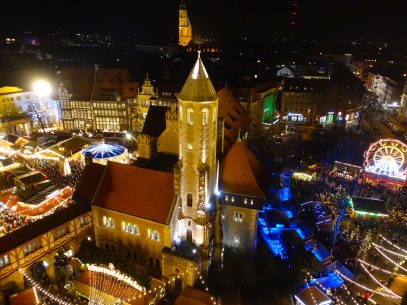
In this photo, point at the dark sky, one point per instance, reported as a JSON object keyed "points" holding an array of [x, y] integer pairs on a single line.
{"points": [[258, 18]]}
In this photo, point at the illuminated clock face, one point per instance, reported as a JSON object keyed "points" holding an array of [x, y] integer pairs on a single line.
{"points": [[387, 158]]}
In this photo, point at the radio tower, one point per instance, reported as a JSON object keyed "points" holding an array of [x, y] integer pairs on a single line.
{"points": [[293, 14]]}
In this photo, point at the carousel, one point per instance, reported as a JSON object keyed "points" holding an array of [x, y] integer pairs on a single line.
{"points": [[101, 153]]}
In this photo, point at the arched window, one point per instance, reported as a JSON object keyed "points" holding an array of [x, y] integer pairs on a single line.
{"points": [[190, 117], [204, 117], [189, 199]]}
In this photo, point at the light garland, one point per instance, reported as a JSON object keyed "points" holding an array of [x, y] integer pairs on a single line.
{"points": [[380, 269], [380, 284], [391, 252], [118, 282], [390, 243], [42, 290], [363, 287], [349, 294], [389, 259]]}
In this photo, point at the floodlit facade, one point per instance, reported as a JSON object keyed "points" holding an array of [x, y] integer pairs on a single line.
{"points": [[185, 28], [20, 111], [99, 99]]}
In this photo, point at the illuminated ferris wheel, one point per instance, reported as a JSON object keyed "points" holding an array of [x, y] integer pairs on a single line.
{"points": [[387, 158]]}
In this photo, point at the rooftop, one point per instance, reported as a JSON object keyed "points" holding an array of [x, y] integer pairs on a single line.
{"points": [[154, 124], [312, 295], [140, 192], [162, 162], [241, 172], [198, 87]]}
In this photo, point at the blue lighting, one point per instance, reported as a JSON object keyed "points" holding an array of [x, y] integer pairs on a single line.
{"points": [[300, 233], [104, 151], [284, 194]]}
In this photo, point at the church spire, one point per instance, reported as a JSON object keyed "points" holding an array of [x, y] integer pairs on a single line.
{"points": [[198, 87]]}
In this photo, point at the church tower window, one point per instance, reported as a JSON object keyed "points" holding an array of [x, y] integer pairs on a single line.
{"points": [[189, 199], [204, 117], [190, 118]]}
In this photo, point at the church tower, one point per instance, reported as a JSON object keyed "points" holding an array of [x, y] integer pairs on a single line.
{"points": [[197, 121], [184, 27]]}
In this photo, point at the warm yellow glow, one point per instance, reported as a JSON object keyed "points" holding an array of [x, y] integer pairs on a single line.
{"points": [[42, 87]]}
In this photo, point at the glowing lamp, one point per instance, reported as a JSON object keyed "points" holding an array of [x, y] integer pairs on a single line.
{"points": [[42, 88]]}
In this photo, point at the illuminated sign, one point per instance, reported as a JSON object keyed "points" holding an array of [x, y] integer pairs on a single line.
{"points": [[387, 158]]}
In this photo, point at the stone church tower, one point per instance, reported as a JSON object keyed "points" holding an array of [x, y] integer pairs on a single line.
{"points": [[184, 27], [198, 112]]}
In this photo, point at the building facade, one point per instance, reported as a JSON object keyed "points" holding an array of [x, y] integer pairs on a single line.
{"points": [[21, 111], [99, 99], [146, 97], [242, 195], [300, 100], [388, 89]]}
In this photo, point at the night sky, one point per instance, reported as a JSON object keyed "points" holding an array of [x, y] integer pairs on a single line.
{"points": [[213, 18]]}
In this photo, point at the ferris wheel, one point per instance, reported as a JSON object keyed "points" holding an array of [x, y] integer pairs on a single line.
{"points": [[387, 157]]}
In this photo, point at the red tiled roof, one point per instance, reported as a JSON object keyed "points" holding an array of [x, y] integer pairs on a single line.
{"points": [[235, 116], [136, 191], [241, 172], [26, 297]]}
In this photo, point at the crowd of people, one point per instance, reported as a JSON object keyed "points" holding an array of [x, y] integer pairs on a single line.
{"points": [[11, 221], [53, 169]]}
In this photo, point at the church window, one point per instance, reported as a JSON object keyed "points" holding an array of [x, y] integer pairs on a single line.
{"points": [[4, 261], [129, 228], [227, 198], [189, 223], [189, 200], [152, 234], [238, 217], [107, 221], [251, 201], [245, 201], [204, 117], [233, 198], [190, 118]]}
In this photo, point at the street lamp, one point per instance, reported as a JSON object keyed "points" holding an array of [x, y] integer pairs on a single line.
{"points": [[42, 88]]}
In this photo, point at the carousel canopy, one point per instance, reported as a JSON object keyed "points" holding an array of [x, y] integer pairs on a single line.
{"points": [[104, 151]]}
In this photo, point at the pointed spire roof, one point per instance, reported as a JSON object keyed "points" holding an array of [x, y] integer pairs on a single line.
{"points": [[241, 173], [198, 87]]}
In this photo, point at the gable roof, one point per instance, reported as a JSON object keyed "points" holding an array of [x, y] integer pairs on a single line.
{"points": [[140, 192], [198, 87], [234, 115], [241, 172], [312, 295], [154, 124]]}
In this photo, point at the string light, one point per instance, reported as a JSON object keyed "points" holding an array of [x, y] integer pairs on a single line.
{"points": [[380, 269], [42, 290], [390, 243], [380, 284], [364, 287], [391, 252], [389, 259]]}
